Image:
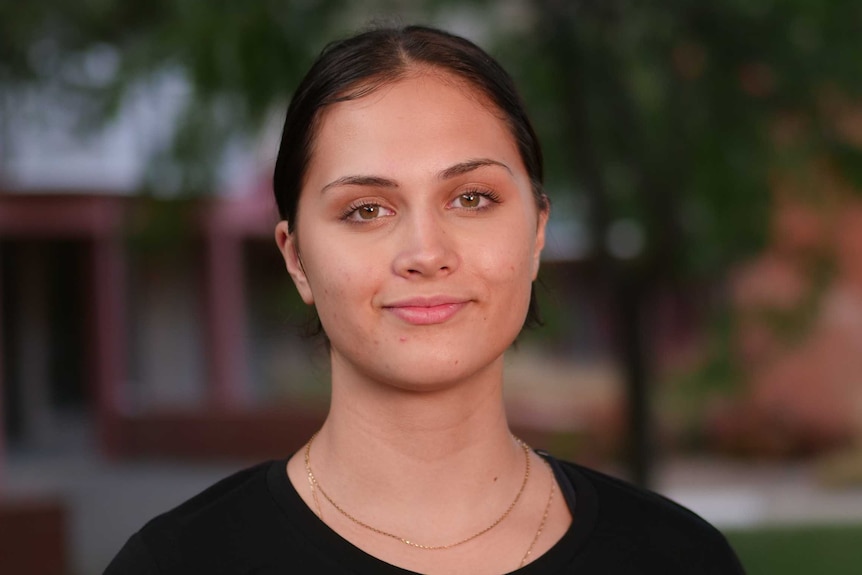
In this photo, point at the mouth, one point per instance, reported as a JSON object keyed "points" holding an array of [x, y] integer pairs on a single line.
{"points": [[426, 311]]}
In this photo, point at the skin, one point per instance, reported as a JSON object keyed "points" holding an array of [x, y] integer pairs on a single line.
{"points": [[418, 238]]}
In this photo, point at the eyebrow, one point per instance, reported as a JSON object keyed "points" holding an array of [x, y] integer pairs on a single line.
{"points": [[453, 171], [468, 166], [367, 181]]}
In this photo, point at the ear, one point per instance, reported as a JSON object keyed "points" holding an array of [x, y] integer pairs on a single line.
{"points": [[540, 240], [290, 252]]}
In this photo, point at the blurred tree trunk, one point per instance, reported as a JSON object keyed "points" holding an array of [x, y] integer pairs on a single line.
{"points": [[627, 282]]}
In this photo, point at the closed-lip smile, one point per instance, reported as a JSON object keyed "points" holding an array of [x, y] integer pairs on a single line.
{"points": [[426, 310]]}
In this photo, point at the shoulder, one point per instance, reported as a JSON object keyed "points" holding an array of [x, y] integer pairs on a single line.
{"points": [[237, 506], [650, 528], [619, 499]]}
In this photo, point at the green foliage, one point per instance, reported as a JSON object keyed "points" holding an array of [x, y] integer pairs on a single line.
{"points": [[848, 160], [239, 59], [662, 112]]}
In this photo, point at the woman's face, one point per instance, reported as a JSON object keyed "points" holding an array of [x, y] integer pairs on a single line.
{"points": [[417, 236]]}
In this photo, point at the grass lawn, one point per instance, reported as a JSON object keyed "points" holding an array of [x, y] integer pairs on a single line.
{"points": [[820, 550]]}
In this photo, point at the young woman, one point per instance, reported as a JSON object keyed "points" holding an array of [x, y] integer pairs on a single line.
{"points": [[409, 182]]}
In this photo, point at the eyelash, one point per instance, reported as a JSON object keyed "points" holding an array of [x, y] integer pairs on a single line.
{"points": [[354, 207]]}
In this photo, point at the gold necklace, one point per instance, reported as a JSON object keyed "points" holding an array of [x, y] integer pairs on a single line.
{"points": [[315, 485], [542, 523]]}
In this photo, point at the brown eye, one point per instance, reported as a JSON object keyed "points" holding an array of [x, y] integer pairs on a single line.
{"points": [[469, 200], [360, 212], [368, 212]]}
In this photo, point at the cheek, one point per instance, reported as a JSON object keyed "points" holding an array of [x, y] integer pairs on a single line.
{"points": [[333, 284], [510, 264], [508, 280], [339, 278]]}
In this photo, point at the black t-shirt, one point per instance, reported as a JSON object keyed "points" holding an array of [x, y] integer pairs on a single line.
{"points": [[254, 522]]}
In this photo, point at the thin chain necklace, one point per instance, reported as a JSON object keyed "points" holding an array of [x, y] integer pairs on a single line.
{"points": [[315, 486], [542, 524]]}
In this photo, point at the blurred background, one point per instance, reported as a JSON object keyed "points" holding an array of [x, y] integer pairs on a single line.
{"points": [[701, 290]]}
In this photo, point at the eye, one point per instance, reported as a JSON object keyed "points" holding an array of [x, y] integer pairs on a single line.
{"points": [[475, 200], [365, 212]]}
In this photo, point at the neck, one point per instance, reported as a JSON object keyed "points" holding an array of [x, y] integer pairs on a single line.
{"points": [[419, 451], [417, 424]]}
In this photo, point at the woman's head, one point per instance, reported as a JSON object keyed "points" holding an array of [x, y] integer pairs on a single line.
{"points": [[330, 149]]}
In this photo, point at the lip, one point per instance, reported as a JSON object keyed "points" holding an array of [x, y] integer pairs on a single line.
{"points": [[426, 310]]}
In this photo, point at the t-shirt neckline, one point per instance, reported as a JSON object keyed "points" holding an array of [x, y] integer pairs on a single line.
{"points": [[578, 492]]}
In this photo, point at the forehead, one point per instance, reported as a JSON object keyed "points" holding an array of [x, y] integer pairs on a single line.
{"points": [[423, 75], [422, 118]]}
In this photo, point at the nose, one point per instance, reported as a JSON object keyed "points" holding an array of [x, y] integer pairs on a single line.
{"points": [[426, 248]]}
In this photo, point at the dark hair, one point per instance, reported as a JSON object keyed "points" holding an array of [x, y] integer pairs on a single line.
{"points": [[351, 68]]}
